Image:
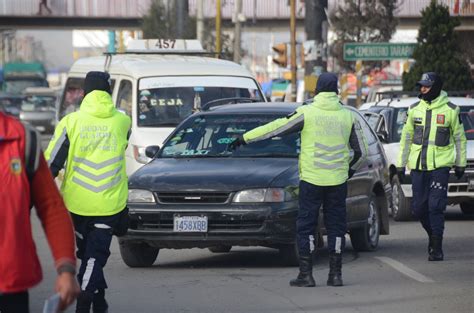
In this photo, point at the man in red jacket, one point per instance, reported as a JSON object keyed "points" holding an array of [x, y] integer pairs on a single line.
{"points": [[26, 182]]}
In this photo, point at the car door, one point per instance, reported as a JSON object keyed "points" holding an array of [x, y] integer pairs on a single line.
{"points": [[361, 185]]}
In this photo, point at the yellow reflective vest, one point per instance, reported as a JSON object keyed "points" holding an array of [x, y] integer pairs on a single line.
{"points": [[92, 142], [328, 133], [433, 136]]}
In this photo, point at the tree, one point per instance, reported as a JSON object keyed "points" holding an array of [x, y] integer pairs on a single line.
{"points": [[438, 50], [161, 22], [362, 21]]}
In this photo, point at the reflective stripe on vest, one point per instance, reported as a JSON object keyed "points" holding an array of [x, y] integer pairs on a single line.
{"points": [[95, 176]]}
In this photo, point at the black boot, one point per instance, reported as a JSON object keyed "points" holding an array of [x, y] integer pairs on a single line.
{"points": [[437, 244], [430, 245], [335, 270], [84, 301], [99, 305], [305, 277]]}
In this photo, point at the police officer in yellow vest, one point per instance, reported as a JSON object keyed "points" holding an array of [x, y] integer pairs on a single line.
{"points": [[92, 143], [328, 133], [433, 140]]}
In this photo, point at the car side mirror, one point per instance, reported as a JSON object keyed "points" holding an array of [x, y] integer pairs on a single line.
{"points": [[151, 151], [383, 136]]}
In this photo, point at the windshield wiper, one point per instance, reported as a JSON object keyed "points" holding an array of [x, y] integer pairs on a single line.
{"points": [[273, 155]]}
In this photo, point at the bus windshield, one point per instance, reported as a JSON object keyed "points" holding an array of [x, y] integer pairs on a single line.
{"points": [[166, 101]]}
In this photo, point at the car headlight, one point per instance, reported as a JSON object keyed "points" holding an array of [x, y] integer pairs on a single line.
{"points": [[260, 195], [140, 196], [139, 154]]}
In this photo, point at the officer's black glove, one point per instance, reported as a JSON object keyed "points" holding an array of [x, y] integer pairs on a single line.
{"points": [[351, 173], [401, 174], [459, 171], [239, 141]]}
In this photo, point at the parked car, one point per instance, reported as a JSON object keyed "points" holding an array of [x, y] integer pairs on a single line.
{"points": [[196, 193], [387, 117], [10, 104], [39, 108]]}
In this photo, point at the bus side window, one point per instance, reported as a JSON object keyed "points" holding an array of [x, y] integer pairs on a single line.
{"points": [[124, 97]]}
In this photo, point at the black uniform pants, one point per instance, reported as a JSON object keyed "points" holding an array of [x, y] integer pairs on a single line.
{"points": [[333, 200], [14, 302], [430, 197], [93, 239]]}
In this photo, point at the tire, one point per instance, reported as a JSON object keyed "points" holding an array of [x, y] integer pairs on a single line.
{"points": [[401, 206], [366, 238], [289, 255], [138, 254], [467, 208], [220, 249]]}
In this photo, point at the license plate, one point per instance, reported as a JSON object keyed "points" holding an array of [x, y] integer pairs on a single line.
{"points": [[190, 224]]}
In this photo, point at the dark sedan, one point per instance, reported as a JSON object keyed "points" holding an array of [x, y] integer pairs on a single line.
{"points": [[196, 193]]}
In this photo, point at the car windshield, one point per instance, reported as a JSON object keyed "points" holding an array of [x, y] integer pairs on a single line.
{"points": [[40, 103], [467, 117], [209, 136], [166, 101], [17, 86]]}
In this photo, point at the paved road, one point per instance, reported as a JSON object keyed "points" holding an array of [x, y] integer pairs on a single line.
{"points": [[396, 278]]}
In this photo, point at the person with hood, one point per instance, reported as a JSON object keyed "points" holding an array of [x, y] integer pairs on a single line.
{"points": [[432, 141], [92, 142], [328, 133], [27, 182]]}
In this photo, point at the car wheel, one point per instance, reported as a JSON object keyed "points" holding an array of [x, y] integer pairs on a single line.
{"points": [[289, 255], [467, 208], [138, 254], [366, 238], [220, 249], [400, 205]]}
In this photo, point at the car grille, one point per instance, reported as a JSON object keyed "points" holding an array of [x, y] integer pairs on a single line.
{"points": [[214, 224], [470, 165], [458, 188], [201, 197]]}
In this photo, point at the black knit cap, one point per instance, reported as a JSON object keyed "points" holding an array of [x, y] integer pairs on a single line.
{"points": [[97, 81], [327, 82]]}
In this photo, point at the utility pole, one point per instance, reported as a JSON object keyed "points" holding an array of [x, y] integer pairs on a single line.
{"points": [[200, 21], [316, 29], [293, 48], [218, 28], [180, 17], [237, 30]]}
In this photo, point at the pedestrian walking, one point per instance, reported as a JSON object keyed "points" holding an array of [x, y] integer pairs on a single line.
{"points": [[328, 133], [26, 182], [92, 143], [432, 142]]}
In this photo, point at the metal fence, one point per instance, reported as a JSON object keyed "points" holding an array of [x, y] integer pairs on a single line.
{"points": [[92, 8], [413, 8], [261, 9]]}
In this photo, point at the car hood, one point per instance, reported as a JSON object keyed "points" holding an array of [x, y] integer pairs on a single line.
{"points": [[227, 174]]}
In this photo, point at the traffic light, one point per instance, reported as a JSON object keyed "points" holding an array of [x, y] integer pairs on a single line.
{"points": [[282, 56]]}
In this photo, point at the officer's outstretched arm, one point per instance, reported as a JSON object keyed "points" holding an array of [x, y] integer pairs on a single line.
{"points": [[459, 139], [58, 149], [292, 123], [406, 141], [358, 144]]}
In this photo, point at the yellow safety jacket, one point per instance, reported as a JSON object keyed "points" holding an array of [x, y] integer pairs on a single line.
{"points": [[433, 136], [328, 132], [92, 142]]}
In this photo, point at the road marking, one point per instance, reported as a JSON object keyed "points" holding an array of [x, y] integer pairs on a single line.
{"points": [[405, 270]]}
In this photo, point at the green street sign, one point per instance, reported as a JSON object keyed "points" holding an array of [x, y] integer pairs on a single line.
{"points": [[378, 51]]}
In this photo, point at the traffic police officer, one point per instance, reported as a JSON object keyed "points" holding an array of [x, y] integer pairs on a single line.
{"points": [[328, 132], [432, 141], [92, 142]]}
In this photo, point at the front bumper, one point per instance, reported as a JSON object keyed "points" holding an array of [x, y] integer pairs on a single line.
{"points": [[235, 225], [459, 190]]}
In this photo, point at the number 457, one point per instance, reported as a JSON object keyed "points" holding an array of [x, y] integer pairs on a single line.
{"points": [[165, 43]]}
